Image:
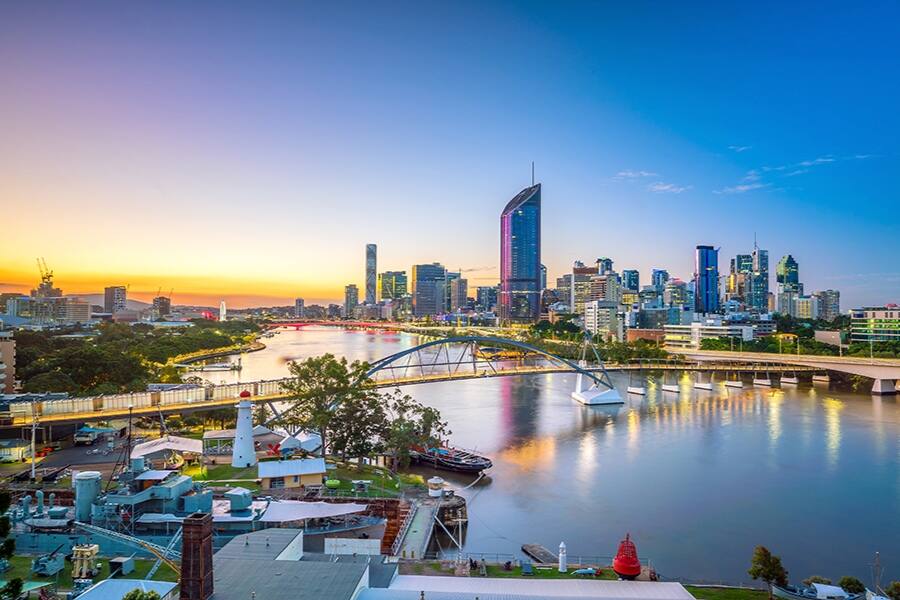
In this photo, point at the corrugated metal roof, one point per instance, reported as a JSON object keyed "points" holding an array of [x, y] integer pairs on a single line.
{"points": [[448, 588], [237, 579], [169, 442], [266, 544], [115, 589], [153, 475], [288, 468]]}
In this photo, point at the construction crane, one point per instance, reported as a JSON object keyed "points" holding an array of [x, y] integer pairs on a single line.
{"points": [[167, 555], [46, 274]]}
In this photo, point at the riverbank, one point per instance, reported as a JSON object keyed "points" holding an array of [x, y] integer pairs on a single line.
{"points": [[200, 355]]}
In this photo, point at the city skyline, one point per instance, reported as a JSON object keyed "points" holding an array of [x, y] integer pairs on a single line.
{"points": [[222, 180]]}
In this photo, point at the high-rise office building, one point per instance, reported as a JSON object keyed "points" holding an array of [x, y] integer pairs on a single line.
{"points": [[675, 293], [564, 289], [371, 269], [758, 289], [581, 285], [486, 297], [520, 257], [351, 300], [427, 284], [543, 277], [787, 273], [459, 291], [299, 311], [449, 278], [806, 307], [631, 280], [604, 265], [391, 284], [829, 304], [114, 299], [658, 279], [706, 279], [604, 287]]}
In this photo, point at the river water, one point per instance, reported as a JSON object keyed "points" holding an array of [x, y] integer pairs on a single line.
{"points": [[698, 479]]}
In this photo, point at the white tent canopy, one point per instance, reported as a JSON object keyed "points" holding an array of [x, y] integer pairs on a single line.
{"points": [[167, 443], [295, 510]]}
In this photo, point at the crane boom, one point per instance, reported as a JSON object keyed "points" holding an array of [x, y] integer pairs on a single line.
{"points": [[167, 555]]}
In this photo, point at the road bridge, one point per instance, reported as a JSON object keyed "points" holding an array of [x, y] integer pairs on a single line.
{"points": [[885, 371]]}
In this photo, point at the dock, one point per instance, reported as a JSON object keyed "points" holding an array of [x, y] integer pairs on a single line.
{"points": [[540, 553], [417, 535]]}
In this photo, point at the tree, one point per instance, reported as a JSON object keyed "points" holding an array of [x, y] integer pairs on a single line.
{"points": [[767, 567], [816, 579], [137, 594], [359, 424], [851, 585], [319, 385], [410, 424], [893, 590], [13, 588]]}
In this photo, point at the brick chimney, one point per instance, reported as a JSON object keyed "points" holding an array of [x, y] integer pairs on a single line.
{"points": [[197, 557]]}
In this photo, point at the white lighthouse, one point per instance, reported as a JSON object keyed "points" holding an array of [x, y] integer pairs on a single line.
{"points": [[563, 558], [244, 454], [223, 314]]}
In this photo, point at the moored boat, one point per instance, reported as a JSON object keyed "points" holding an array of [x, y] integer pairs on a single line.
{"points": [[451, 459], [817, 591]]}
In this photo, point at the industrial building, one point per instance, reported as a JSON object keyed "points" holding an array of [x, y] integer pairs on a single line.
{"points": [[298, 472]]}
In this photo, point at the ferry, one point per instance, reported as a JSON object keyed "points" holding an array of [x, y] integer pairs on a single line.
{"points": [[450, 459]]}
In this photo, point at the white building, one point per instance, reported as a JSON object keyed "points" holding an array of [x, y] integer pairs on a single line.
{"points": [[601, 317], [806, 307], [690, 336]]}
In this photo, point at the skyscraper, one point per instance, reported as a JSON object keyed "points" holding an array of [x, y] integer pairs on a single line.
{"points": [[449, 278], [758, 289], [631, 280], [543, 277], [829, 304], [520, 257], [486, 297], [351, 300], [604, 265], [706, 279], [427, 288], [299, 308], [787, 273], [114, 299], [391, 284], [371, 266], [459, 290], [581, 286], [162, 306], [658, 279]]}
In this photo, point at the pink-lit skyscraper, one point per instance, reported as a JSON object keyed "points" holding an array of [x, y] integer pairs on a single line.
{"points": [[520, 258]]}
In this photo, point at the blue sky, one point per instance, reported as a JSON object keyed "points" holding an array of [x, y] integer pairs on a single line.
{"points": [[251, 151]]}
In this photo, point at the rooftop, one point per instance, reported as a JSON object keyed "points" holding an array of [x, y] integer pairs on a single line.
{"points": [[115, 589], [286, 468], [240, 578]]}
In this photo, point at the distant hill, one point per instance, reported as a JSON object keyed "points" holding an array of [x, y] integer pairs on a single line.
{"points": [[98, 299]]}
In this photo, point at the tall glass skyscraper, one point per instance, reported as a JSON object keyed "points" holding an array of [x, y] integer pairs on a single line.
{"points": [[371, 265], [520, 258], [631, 280], [706, 279], [759, 281], [787, 274], [427, 288]]}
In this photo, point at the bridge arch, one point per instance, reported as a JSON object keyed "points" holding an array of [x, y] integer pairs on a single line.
{"points": [[598, 376]]}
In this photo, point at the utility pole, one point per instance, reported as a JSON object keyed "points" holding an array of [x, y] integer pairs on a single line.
{"points": [[33, 435]]}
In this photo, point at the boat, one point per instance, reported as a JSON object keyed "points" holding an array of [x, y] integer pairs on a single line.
{"points": [[626, 564], [816, 591], [450, 459]]}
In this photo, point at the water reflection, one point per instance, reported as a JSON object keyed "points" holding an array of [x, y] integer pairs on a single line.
{"points": [[680, 471]]}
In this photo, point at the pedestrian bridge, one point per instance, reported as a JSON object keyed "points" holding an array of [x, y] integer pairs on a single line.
{"points": [[885, 371], [440, 360]]}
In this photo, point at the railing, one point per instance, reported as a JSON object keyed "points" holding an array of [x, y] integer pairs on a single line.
{"points": [[404, 527]]}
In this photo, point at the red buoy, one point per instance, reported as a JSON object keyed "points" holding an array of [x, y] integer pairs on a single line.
{"points": [[626, 564]]}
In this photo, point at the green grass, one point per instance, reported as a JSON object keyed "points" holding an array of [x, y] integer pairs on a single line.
{"points": [[551, 573], [221, 474], [705, 593], [21, 568], [384, 483]]}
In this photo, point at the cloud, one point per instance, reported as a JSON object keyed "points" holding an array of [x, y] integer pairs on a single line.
{"points": [[752, 175], [628, 174], [797, 172], [477, 269], [816, 161], [661, 187], [739, 148], [742, 188]]}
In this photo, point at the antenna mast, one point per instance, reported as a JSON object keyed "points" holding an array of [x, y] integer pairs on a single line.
{"points": [[532, 173]]}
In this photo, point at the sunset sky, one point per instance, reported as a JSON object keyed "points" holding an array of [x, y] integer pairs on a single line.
{"points": [[250, 151]]}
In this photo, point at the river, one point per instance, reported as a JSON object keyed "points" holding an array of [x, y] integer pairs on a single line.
{"points": [[698, 479]]}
